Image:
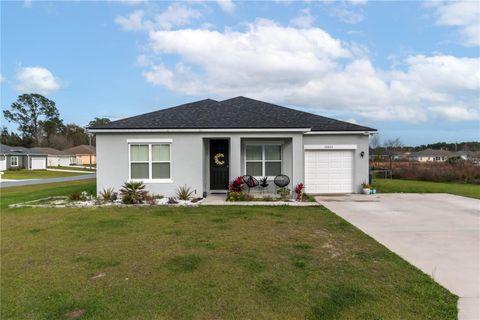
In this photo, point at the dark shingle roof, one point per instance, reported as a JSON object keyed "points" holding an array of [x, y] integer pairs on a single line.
{"points": [[51, 151], [235, 113], [8, 150]]}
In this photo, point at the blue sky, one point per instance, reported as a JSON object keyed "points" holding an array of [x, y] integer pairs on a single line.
{"points": [[410, 69]]}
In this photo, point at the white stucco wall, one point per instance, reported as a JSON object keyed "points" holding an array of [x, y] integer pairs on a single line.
{"points": [[190, 163]]}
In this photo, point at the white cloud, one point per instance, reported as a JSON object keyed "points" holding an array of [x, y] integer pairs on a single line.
{"points": [[226, 5], [143, 60], [346, 14], [133, 22], [175, 15], [462, 14], [27, 3], [2, 78], [132, 2], [37, 80], [304, 19], [307, 67]]}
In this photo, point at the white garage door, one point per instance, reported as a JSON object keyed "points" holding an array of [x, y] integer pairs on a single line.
{"points": [[329, 171], [3, 163], [38, 163]]}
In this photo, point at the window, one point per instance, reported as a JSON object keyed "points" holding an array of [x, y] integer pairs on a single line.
{"points": [[263, 160], [150, 162], [14, 161]]}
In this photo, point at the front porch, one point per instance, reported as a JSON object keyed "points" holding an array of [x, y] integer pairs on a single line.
{"points": [[261, 156]]}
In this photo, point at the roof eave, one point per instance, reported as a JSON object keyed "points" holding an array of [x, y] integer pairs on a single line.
{"points": [[131, 130]]}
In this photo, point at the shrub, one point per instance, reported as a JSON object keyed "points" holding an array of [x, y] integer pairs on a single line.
{"points": [[457, 171], [308, 197], [84, 196], [299, 191], [74, 196], [236, 185], [133, 192], [108, 195], [184, 192], [283, 192], [238, 196], [150, 199]]}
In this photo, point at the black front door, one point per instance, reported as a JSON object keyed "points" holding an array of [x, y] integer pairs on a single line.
{"points": [[219, 164]]}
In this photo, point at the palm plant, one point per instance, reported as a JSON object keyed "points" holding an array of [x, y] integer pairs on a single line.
{"points": [[133, 192]]}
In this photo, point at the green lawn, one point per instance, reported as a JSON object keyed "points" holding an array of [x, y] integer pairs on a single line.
{"points": [[201, 263], [72, 168], [413, 186], [36, 174]]}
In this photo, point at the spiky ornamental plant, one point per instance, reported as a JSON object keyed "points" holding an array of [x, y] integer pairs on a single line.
{"points": [[133, 192]]}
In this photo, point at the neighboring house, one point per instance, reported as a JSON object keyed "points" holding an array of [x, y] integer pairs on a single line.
{"points": [[83, 153], [431, 155], [57, 157], [206, 144], [21, 158], [472, 156]]}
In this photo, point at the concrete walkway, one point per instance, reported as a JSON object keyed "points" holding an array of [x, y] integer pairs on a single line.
{"points": [[219, 200], [67, 170], [18, 183], [438, 233]]}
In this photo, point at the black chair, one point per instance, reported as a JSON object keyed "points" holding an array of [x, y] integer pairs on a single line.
{"points": [[250, 182], [281, 180]]}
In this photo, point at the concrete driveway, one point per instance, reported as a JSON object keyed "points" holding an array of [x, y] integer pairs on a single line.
{"points": [[438, 233]]}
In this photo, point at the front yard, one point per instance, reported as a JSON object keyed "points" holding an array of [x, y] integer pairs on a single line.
{"points": [[36, 174], [413, 186], [201, 263]]}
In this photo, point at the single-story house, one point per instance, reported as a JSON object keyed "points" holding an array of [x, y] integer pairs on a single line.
{"points": [[472, 156], [21, 158], [431, 155], [57, 157], [83, 154], [206, 144]]}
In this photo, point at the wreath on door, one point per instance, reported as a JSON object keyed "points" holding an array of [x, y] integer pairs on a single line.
{"points": [[218, 159]]}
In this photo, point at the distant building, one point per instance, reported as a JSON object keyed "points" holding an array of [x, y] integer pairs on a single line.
{"points": [[12, 158], [57, 157], [431, 155], [473, 156], [83, 153]]}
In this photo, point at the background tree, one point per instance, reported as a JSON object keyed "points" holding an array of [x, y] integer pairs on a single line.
{"points": [[10, 138], [34, 115], [392, 146], [98, 121]]}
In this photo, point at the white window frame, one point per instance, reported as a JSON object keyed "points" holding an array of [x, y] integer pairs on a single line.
{"points": [[134, 142], [263, 161], [16, 161]]}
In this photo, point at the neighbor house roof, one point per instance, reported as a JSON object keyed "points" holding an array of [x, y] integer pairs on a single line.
{"points": [[52, 152], [20, 151], [235, 113], [81, 149], [432, 153]]}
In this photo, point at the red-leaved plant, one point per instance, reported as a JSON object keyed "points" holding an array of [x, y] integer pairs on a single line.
{"points": [[299, 191], [236, 185]]}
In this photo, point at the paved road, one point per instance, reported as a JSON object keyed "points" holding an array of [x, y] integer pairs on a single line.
{"points": [[438, 233], [18, 183]]}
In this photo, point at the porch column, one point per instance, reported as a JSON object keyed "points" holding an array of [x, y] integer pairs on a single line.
{"points": [[235, 157], [297, 160]]}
